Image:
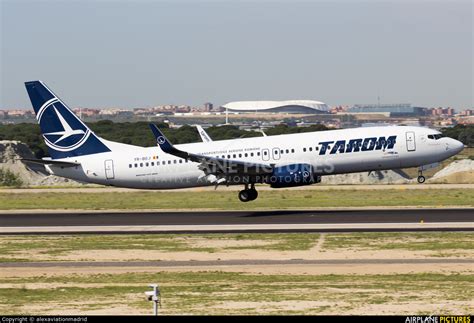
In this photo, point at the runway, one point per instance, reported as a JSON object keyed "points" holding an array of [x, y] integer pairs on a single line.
{"points": [[347, 220]]}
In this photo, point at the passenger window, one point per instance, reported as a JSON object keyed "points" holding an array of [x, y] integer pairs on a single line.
{"points": [[169, 162], [316, 148], [310, 148], [129, 165], [282, 151], [287, 151], [265, 153], [304, 150], [246, 155], [136, 165], [234, 156], [174, 161], [240, 155], [141, 164], [146, 164], [258, 153], [180, 161], [152, 163], [251, 154], [292, 151]]}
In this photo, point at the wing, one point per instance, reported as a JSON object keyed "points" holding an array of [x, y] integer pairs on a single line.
{"points": [[209, 164]]}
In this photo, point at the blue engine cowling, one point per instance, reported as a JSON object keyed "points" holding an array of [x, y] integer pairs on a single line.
{"points": [[292, 175]]}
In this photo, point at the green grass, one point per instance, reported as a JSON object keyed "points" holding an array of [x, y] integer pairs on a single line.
{"points": [[59, 247], [209, 292], [431, 241], [225, 200], [50, 248]]}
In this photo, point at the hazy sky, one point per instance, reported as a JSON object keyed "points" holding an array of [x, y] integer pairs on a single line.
{"points": [[144, 53]]}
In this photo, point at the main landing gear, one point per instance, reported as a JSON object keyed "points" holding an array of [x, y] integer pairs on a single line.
{"points": [[247, 194], [421, 179]]}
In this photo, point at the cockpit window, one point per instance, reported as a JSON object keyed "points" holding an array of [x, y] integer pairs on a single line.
{"points": [[435, 137]]}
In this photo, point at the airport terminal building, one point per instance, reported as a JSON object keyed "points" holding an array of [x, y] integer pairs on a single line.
{"points": [[394, 110], [290, 106]]}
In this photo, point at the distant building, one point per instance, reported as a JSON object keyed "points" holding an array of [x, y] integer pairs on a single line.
{"points": [[208, 106], [19, 113], [467, 120], [442, 112], [290, 106], [402, 109], [86, 112]]}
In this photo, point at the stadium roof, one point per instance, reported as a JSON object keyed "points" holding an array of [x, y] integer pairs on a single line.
{"points": [[252, 106]]}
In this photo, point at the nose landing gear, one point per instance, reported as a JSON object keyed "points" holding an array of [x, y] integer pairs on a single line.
{"points": [[247, 194], [421, 179]]}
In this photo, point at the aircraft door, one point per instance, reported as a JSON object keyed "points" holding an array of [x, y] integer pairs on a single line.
{"points": [[109, 169], [411, 145], [276, 153], [265, 154]]}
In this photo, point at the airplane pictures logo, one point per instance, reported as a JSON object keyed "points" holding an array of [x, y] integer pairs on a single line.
{"points": [[62, 130]]}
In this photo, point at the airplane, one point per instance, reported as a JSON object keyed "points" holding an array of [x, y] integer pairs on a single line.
{"points": [[279, 161]]}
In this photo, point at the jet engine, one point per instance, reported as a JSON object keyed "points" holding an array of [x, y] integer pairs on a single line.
{"points": [[292, 175]]}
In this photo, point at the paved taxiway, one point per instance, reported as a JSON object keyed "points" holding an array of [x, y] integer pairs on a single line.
{"points": [[231, 221]]}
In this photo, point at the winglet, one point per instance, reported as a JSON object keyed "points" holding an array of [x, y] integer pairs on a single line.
{"points": [[204, 136], [165, 144], [161, 139]]}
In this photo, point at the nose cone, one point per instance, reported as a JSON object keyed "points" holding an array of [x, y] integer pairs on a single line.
{"points": [[455, 145]]}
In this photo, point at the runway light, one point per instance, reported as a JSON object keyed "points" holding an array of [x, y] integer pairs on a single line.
{"points": [[421, 221]]}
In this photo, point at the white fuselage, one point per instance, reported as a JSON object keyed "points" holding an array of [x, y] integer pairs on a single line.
{"points": [[151, 168]]}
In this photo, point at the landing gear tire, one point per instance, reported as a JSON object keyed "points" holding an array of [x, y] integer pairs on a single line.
{"points": [[244, 196], [253, 194], [248, 195]]}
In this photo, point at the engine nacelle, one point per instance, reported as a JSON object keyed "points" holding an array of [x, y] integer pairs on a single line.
{"points": [[292, 175]]}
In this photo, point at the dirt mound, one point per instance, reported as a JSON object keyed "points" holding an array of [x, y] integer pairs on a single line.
{"points": [[375, 177], [12, 151], [460, 171]]}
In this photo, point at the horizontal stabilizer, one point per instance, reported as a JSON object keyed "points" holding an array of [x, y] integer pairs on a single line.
{"points": [[50, 162]]}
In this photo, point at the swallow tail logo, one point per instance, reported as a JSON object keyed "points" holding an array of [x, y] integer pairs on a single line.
{"points": [[63, 132]]}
